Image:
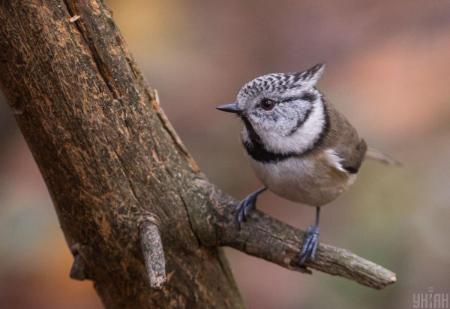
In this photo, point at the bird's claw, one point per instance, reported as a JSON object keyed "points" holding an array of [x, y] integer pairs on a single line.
{"points": [[310, 243], [244, 207]]}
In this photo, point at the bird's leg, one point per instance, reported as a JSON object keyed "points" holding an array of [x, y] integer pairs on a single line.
{"points": [[311, 241], [244, 207]]}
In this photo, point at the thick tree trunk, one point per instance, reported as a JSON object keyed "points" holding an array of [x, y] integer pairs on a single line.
{"points": [[143, 223], [108, 159]]}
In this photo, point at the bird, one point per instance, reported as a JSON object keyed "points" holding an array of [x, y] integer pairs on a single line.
{"points": [[299, 146]]}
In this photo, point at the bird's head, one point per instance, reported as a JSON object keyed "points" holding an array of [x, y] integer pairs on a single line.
{"points": [[274, 107]]}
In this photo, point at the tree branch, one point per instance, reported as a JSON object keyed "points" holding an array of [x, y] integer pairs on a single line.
{"points": [[265, 237]]}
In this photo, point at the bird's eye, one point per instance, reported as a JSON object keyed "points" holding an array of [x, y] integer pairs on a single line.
{"points": [[267, 104]]}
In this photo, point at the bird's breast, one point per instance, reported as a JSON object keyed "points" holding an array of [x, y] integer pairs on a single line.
{"points": [[310, 180]]}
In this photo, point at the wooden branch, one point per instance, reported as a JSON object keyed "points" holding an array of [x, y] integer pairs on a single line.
{"points": [[153, 252], [277, 242], [110, 157]]}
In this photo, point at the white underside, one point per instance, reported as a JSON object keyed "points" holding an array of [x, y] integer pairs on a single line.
{"points": [[309, 180]]}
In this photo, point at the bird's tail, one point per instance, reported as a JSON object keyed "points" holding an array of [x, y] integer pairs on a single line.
{"points": [[375, 154]]}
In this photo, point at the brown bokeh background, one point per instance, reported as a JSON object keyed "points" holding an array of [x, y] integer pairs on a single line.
{"points": [[388, 71]]}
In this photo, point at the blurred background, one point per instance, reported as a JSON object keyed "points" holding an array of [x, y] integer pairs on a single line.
{"points": [[388, 71]]}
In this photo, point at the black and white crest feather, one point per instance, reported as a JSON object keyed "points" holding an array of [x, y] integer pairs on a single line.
{"points": [[279, 82]]}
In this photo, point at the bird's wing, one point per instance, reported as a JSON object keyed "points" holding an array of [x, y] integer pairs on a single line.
{"points": [[344, 143], [376, 155], [351, 159], [346, 159]]}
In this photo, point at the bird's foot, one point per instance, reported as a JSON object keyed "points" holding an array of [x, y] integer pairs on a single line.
{"points": [[244, 207], [310, 243]]}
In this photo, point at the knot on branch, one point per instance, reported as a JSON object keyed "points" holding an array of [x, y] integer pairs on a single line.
{"points": [[78, 271], [153, 252]]}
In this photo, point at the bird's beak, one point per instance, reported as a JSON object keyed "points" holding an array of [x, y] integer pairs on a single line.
{"points": [[230, 108]]}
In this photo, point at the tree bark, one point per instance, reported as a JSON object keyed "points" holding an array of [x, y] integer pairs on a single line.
{"points": [[142, 221]]}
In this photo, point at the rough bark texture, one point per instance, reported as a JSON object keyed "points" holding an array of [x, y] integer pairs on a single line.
{"points": [[111, 161], [107, 158]]}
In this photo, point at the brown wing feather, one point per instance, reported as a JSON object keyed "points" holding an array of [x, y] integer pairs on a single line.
{"points": [[353, 161], [345, 141]]}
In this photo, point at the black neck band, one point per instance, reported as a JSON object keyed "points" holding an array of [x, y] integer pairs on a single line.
{"points": [[256, 149]]}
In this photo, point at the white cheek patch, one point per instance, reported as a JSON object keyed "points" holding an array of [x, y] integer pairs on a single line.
{"points": [[303, 138], [334, 160]]}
